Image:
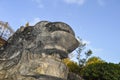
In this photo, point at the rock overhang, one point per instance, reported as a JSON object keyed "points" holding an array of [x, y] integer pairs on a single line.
{"points": [[59, 36]]}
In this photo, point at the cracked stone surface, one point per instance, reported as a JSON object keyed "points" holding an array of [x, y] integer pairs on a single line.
{"points": [[36, 52]]}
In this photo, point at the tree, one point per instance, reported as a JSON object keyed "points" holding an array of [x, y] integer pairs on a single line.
{"points": [[101, 71], [82, 61], [94, 60], [72, 66]]}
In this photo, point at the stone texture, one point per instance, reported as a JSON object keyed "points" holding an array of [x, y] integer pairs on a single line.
{"points": [[36, 52], [73, 76]]}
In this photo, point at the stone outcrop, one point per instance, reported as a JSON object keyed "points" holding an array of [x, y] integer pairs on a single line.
{"points": [[36, 52], [73, 76]]}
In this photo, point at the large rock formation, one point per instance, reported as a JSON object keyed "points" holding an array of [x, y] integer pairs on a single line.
{"points": [[36, 52]]}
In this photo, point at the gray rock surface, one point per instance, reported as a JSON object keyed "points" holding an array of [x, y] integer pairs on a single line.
{"points": [[36, 52], [73, 76]]}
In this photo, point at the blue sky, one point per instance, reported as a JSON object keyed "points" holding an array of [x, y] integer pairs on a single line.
{"points": [[97, 22]]}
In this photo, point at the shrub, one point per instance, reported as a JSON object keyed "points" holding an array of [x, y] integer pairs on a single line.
{"points": [[101, 71], [72, 66]]}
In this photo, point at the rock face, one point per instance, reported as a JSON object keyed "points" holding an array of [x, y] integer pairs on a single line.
{"points": [[73, 76], [36, 52]]}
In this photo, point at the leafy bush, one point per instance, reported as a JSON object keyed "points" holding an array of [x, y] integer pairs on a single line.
{"points": [[72, 66], [101, 71], [94, 60]]}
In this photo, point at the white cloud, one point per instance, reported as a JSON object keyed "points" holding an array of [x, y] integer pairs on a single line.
{"points": [[39, 3], [80, 2], [97, 50], [35, 20], [101, 2], [86, 42]]}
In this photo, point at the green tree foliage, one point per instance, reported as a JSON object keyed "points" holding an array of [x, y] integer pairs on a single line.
{"points": [[72, 66], [101, 71], [93, 68], [94, 60]]}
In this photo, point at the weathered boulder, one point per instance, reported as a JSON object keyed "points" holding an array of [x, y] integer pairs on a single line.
{"points": [[36, 52]]}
